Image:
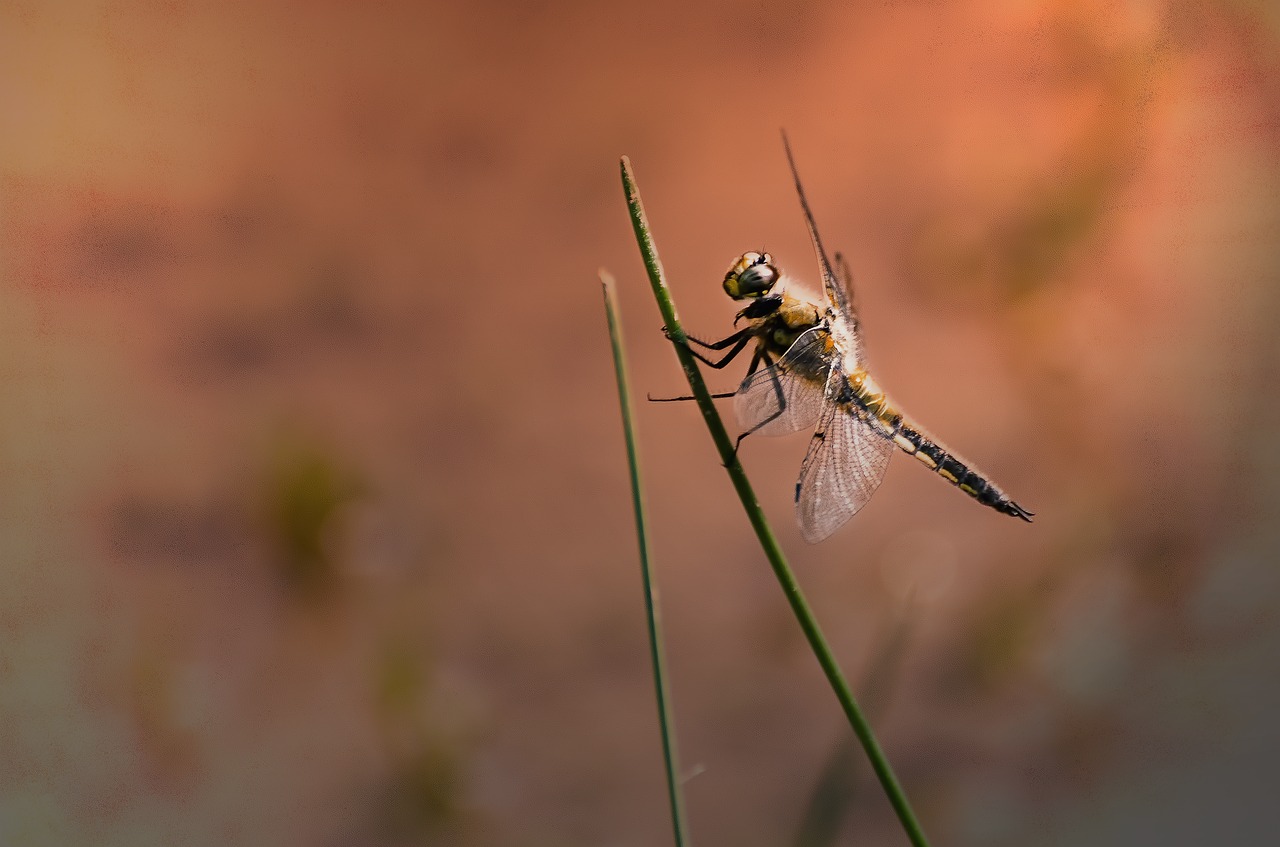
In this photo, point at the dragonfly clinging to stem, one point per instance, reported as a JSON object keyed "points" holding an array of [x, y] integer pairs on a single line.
{"points": [[809, 371]]}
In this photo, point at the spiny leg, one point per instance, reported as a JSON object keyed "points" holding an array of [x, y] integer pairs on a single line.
{"points": [[713, 345], [762, 356], [721, 396], [739, 340], [755, 363]]}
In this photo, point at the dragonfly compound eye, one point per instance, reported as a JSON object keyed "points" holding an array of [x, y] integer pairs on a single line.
{"points": [[752, 275]]}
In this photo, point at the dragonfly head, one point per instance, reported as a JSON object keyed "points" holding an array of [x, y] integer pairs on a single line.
{"points": [[751, 275]]}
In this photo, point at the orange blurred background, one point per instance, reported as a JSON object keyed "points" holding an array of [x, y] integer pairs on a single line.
{"points": [[314, 510]]}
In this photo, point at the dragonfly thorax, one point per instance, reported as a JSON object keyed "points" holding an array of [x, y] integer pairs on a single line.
{"points": [[751, 275]]}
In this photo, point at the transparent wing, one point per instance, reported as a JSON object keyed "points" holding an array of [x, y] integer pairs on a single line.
{"points": [[838, 292], [853, 325], [787, 396], [843, 468]]}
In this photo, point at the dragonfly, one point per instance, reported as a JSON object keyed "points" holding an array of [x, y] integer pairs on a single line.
{"points": [[809, 370]]}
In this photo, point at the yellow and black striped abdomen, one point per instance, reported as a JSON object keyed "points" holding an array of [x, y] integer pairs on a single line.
{"points": [[946, 465], [912, 440]]}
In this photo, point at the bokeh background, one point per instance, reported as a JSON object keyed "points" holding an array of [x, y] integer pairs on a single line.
{"points": [[314, 523]]}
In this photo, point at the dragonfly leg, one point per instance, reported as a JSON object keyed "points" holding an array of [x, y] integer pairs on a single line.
{"points": [[720, 396], [763, 357], [755, 363], [712, 345], [737, 342]]}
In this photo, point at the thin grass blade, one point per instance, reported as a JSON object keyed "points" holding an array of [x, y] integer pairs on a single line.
{"points": [[652, 613], [772, 550], [841, 779]]}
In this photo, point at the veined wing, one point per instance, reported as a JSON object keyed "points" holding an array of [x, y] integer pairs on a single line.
{"points": [[787, 396], [850, 320], [838, 295], [843, 468]]}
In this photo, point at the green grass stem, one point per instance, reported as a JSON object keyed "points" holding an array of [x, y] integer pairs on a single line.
{"points": [[652, 613], [773, 552], [841, 779]]}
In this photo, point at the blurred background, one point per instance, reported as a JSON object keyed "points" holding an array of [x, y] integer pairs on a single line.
{"points": [[314, 520]]}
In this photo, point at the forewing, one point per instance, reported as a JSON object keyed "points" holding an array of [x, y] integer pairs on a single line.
{"points": [[852, 325], [787, 396], [836, 293], [843, 468]]}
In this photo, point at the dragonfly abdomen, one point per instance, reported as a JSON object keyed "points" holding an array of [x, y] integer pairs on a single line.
{"points": [[889, 423], [969, 480]]}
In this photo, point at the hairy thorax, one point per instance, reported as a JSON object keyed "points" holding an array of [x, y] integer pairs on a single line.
{"points": [[781, 326]]}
